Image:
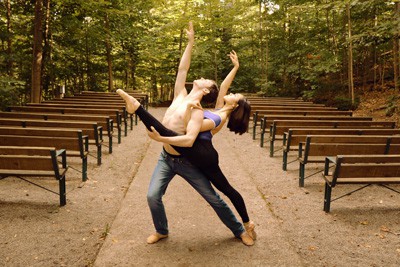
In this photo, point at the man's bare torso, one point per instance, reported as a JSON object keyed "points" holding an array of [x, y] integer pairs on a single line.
{"points": [[177, 117]]}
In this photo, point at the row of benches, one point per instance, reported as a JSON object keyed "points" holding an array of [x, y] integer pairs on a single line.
{"points": [[41, 132], [355, 150]]}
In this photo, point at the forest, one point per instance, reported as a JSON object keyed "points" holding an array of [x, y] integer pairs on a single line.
{"points": [[322, 50]]}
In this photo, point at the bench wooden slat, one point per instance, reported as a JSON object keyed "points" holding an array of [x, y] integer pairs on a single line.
{"points": [[20, 162]]}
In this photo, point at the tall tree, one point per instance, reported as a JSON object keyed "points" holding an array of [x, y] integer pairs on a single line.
{"points": [[108, 52], [396, 39], [350, 54], [37, 53], [10, 62]]}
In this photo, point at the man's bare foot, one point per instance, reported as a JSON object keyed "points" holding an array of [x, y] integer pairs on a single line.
{"points": [[131, 103], [246, 239], [154, 238], [249, 226]]}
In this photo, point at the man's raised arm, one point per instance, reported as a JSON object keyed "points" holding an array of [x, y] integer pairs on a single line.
{"points": [[184, 64]]}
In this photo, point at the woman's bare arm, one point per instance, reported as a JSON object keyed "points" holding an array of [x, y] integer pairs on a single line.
{"points": [[228, 80]]}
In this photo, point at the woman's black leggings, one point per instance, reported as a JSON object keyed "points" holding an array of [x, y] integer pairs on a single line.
{"points": [[202, 155]]}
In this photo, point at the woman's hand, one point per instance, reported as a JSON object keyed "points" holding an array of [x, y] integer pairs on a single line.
{"points": [[234, 58], [190, 32]]}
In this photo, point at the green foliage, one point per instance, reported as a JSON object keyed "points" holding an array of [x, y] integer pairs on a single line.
{"points": [[285, 48], [11, 92], [345, 103]]}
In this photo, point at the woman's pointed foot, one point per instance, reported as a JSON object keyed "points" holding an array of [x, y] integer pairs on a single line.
{"points": [[131, 103], [250, 226]]}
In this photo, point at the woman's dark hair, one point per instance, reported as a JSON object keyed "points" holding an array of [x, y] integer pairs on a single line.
{"points": [[239, 117], [211, 97]]}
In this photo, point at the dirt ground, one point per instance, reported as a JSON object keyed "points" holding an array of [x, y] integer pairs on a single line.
{"points": [[106, 220]]}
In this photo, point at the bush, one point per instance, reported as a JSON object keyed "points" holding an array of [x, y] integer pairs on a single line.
{"points": [[344, 103], [11, 91]]}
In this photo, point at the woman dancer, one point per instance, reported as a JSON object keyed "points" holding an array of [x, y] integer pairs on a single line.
{"points": [[200, 152]]}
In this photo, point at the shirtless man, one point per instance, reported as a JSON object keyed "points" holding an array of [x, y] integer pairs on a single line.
{"points": [[185, 115]]}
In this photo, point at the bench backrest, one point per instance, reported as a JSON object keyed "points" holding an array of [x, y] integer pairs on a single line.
{"points": [[39, 161], [294, 104], [369, 158], [23, 162], [278, 127], [280, 107], [361, 139], [105, 121], [69, 143], [25, 150], [113, 113], [91, 129], [304, 112], [294, 136], [72, 105], [269, 119], [29, 131], [332, 149], [368, 167]]}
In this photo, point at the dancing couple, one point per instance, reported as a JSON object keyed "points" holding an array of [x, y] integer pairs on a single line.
{"points": [[186, 132]]}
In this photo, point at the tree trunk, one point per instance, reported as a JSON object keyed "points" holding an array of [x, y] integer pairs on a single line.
{"points": [[261, 55], [46, 62], [10, 62], [108, 51], [396, 47], [87, 58], [37, 53], [350, 56]]}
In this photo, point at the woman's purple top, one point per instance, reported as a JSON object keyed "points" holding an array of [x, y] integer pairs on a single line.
{"points": [[207, 135]]}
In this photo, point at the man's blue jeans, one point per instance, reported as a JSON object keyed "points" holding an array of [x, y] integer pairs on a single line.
{"points": [[167, 167]]}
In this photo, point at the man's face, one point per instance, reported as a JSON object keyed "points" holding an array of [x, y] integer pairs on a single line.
{"points": [[204, 83]]}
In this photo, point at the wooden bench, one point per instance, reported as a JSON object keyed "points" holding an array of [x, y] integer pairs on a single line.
{"points": [[33, 162], [317, 147], [73, 141], [123, 115], [101, 96], [293, 137], [255, 108], [269, 123], [144, 97], [360, 169], [96, 103], [90, 129], [259, 115], [89, 101], [279, 127], [104, 121], [114, 114]]}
